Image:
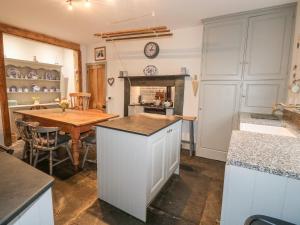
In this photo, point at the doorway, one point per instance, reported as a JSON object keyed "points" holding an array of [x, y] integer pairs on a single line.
{"points": [[96, 85]]}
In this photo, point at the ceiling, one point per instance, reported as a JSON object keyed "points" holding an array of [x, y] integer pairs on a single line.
{"points": [[53, 18]]}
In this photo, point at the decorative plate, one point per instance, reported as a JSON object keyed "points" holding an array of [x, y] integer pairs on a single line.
{"points": [[44, 89], [35, 88], [150, 70], [32, 75], [13, 72], [25, 89], [151, 50]]}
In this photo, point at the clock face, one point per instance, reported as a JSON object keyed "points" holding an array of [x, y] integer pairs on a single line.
{"points": [[151, 50]]}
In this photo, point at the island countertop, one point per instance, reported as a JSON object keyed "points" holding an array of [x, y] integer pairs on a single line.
{"points": [[143, 124], [20, 185]]}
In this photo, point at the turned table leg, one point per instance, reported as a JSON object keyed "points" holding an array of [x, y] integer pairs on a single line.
{"points": [[75, 147]]}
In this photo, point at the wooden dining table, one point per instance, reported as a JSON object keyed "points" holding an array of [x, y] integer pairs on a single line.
{"points": [[71, 121]]}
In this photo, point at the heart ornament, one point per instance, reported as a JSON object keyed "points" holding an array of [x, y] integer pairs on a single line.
{"points": [[111, 81]]}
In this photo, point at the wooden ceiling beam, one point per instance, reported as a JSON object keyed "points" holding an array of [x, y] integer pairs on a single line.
{"points": [[137, 33], [124, 32], [20, 32], [139, 37]]}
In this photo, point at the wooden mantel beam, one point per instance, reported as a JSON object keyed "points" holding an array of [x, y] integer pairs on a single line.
{"points": [[20, 32]]}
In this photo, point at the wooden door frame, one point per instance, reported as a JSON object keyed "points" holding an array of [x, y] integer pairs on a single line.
{"points": [[105, 75], [35, 36]]}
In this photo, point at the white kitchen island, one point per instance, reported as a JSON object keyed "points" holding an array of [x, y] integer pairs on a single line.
{"points": [[136, 156]]}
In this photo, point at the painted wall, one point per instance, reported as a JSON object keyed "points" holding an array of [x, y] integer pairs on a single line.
{"points": [[181, 50]]}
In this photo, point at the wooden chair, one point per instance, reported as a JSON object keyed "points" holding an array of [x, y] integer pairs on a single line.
{"points": [[80, 100], [89, 142], [38, 107], [26, 135], [48, 139]]}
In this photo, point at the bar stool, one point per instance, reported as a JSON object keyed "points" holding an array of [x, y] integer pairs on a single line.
{"points": [[190, 120]]}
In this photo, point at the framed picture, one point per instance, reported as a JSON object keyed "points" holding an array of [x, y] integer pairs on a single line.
{"points": [[100, 53]]}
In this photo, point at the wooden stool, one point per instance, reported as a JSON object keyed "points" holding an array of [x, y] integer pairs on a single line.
{"points": [[191, 120]]}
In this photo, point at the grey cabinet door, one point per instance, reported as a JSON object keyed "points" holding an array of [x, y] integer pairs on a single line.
{"points": [[260, 96], [223, 49], [268, 46], [219, 103]]}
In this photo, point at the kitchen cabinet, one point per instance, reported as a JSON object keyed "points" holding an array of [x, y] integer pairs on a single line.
{"points": [[260, 96], [223, 49], [40, 212], [252, 49], [133, 168], [219, 105], [268, 46]]}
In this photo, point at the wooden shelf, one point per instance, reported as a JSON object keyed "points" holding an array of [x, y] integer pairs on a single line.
{"points": [[22, 79], [174, 76], [27, 62], [31, 92]]}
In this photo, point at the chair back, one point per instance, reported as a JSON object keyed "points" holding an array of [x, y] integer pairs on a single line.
{"points": [[23, 130], [80, 100], [44, 138]]}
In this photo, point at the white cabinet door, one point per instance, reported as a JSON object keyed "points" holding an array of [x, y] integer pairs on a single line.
{"points": [[223, 49], [218, 115], [260, 96], [268, 46], [158, 164], [173, 148]]}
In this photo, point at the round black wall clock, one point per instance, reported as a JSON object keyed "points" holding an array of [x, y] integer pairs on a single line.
{"points": [[151, 50]]}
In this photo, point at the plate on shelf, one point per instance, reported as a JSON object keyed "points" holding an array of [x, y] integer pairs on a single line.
{"points": [[13, 72], [52, 89], [32, 75], [48, 76], [35, 88]]}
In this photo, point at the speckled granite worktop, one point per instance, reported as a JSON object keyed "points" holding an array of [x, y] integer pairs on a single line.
{"points": [[246, 118], [274, 154], [143, 124], [20, 185]]}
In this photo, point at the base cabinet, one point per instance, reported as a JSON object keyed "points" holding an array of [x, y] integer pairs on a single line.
{"points": [[250, 192], [133, 168], [40, 212]]}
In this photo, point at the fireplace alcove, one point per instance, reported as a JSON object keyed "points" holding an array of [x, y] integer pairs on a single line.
{"points": [[176, 81]]}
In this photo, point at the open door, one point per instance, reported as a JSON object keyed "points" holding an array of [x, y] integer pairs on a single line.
{"points": [[96, 85]]}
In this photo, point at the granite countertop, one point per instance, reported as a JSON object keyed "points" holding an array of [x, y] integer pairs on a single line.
{"points": [[143, 124], [152, 106], [274, 154], [20, 185]]}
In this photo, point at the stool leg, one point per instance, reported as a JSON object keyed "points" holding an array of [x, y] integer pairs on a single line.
{"points": [[192, 146], [51, 163]]}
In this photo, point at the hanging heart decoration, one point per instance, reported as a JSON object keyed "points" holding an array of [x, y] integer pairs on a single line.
{"points": [[111, 81]]}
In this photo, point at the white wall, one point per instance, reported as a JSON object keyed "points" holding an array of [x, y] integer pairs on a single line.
{"points": [[183, 49], [25, 49]]}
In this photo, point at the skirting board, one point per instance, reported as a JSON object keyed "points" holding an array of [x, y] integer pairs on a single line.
{"points": [[212, 154]]}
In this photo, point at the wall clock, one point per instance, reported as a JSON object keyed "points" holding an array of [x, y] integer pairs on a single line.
{"points": [[151, 50], [150, 70]]}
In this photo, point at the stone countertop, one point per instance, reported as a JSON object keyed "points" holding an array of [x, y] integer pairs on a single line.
{"points": [[20, 185], [143, 124], [274, 154]]}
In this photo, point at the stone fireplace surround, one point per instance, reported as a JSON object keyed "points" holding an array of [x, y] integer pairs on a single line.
{"points": [[176, 81]]}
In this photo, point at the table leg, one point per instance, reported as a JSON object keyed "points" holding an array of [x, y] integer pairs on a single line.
{"points": [[75, 148]]}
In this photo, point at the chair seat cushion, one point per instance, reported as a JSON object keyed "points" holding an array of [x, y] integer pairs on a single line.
{"points": [[91, 139], [62, 139]]}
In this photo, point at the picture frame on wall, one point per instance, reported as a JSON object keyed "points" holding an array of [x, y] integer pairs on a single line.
{"points": [[100, 53]]}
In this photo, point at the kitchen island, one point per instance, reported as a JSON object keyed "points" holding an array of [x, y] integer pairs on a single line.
{"points": [[136, 156]]}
